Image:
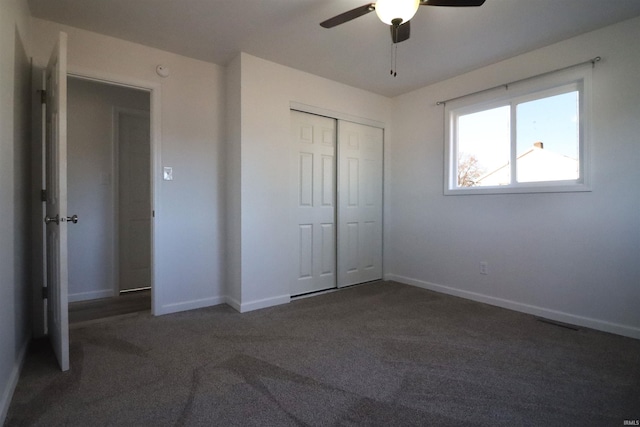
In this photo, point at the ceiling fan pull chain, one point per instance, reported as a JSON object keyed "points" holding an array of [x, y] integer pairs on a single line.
{"points": [[395, 59], [394, 48], [391, 57]]}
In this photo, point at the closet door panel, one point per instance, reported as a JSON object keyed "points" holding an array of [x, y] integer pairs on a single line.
{"points": [[313, 146], [360, 163]]}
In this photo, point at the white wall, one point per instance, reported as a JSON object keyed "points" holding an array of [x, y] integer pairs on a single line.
{"points": [[267, 90], [15, 104], [189, 210], [90, 173], [573, 257]]}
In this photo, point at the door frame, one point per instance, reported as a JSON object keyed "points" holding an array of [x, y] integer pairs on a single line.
{"points": [[155, 115]]}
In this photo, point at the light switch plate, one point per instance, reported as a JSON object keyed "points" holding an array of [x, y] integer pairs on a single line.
{"points": [[168, 173]]}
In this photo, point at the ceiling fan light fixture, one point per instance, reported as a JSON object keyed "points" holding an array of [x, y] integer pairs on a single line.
{"points": [[390, 10]]}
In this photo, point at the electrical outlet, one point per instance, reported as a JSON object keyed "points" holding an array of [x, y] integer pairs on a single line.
{"points": [[484, 267]]}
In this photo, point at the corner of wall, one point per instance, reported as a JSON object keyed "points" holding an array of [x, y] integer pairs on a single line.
{"points": [[263, 303], [232, 164]]}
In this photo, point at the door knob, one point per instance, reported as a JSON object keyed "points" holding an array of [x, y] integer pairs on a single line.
{"points": [[73, 219], [48, 219]]}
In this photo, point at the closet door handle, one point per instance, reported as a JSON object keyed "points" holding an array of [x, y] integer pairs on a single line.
{"points": [[73, 219]]}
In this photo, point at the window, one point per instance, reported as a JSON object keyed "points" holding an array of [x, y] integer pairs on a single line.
{"points": [[531, 137]]}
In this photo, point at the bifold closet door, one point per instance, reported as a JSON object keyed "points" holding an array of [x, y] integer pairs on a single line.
{"points": [[360, 166], [313, 150]]}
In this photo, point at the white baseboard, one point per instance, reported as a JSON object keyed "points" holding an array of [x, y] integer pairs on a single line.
{"points": [[10, 386], [189, 305], [84, 296], [233, 303], [208, 302], [559, 316], [263, 303]]}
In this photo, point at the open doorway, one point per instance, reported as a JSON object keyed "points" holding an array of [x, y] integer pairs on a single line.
{"points": [[109, 188]]}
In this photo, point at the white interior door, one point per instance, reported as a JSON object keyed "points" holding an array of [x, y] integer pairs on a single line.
{"points": [[313, 154], [134, 200], [360, 166], [56, 204]]}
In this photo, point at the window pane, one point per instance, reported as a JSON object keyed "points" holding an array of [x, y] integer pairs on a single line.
{"points": [[548, 139], [483, 148]]}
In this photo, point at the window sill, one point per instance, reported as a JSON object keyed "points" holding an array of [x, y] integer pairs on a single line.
{"points": [[519, 189]]}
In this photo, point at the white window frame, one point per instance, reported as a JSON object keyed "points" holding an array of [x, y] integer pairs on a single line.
{"points": [[574, 79]]}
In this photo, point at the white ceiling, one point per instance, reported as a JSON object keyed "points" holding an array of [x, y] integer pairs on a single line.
{"points": [[444, 41]]}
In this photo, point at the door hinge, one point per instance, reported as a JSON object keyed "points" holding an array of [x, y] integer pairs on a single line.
{"points": [[43, 96], [43, 195], [45, 292]]}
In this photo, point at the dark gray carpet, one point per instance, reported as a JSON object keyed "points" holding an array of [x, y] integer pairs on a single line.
{"points": [[378, 354]]}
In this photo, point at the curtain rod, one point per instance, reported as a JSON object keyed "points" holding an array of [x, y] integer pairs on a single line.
{"points": [[506, 85]]}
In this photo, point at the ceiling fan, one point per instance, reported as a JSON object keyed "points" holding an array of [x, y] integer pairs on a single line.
{"points": [[395, 13]]}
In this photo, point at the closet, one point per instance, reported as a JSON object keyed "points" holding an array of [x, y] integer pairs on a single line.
{"points": [[337, 202]]}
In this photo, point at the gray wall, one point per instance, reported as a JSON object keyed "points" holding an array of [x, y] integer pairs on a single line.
{"points": [[267, 90], [574, 257], [189, 228], [15, 104], [90, 173]]}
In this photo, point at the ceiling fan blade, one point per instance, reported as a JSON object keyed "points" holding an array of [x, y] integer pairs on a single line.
{"points": [[401, 33], [348, 16], [453, 3]]}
